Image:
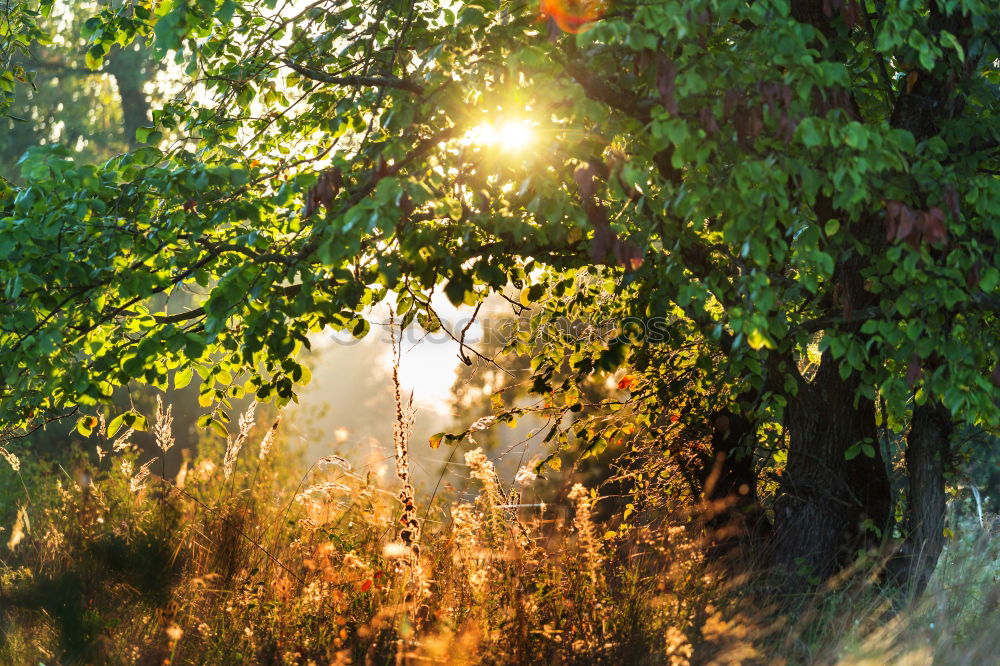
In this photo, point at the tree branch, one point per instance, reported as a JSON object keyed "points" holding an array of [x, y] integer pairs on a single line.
{"points": [[376, 81]]}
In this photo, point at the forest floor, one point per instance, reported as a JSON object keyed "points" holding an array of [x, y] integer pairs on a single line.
{"points": [[240, 557]]}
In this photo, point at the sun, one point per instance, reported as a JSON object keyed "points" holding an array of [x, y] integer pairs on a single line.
{"points": [[509, 135]]}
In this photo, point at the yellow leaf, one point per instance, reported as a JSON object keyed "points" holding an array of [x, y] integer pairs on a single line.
{"points": [[757, 339]]}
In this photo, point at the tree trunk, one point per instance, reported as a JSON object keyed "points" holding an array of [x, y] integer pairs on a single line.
{"points": [[129, 69], [927, 449], [826, 500]]}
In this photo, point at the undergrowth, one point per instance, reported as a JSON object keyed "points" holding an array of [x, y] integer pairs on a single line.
{"points": [[238, 559]]}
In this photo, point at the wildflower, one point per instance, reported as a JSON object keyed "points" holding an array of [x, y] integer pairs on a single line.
{"points": [[480, 466], [483, 423], [234, 444], [586, 532], [402, 429], [334, 460], [163, 425], [268, 441], [123, 441], [138, 481], [525, 477], [12, 460]]}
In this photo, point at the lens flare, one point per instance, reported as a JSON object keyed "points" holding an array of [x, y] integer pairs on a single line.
{"points": [[512, 135], [573, 16]]}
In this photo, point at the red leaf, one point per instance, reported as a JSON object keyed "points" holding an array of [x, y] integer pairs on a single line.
{"points": [[625, 382], [932, 226], [367, 585], [628, 255], [907, 223], [572, 16]]}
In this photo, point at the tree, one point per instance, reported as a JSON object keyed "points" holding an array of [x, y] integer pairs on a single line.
{"points": [[766, 180], [83, 96]]}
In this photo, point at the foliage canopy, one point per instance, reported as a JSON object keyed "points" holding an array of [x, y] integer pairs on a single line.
{"points": [[324, 161], [762, 178]]}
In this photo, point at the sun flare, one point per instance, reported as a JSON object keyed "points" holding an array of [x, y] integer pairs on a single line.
{"points": [[513, 135]]}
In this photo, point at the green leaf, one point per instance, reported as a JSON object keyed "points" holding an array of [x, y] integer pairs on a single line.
{"points": [[225, 11], [94, 58], [183, 377], [456, 289], [85, 425], [116, 424], [950, 40], [149, 135], [218, 427], [13, 289]]}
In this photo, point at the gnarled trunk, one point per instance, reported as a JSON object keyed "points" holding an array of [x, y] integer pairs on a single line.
{"points": [[826, 499]]}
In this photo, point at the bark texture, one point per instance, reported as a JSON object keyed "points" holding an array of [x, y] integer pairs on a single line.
{"points": [[927, 452], [826, 500]]}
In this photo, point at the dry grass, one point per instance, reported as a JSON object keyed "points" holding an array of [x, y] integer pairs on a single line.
{"points": [[230, 561]]}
